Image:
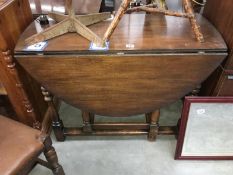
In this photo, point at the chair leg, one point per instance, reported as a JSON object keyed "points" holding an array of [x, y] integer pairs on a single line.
{"points": [[57, 123], [51, 157], [196, 28], [154, 124]]}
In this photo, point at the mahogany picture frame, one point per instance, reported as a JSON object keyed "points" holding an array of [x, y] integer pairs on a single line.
{"points": [[188, 101]]}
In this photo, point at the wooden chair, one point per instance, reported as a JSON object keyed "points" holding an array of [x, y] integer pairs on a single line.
{"points": [[21, 145], [23, 92]]}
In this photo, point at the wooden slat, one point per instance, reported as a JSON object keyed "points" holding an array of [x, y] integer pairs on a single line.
{"points": [[123, 130], [79, 132], [120, 126]]}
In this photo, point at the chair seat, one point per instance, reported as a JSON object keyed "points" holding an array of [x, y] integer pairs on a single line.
{"points": [[19, 144]]}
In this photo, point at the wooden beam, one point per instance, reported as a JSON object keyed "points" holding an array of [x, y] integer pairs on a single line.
{"points": [[84, 19], [119, 129], [51, 32], [70, 23], [86, 32]]}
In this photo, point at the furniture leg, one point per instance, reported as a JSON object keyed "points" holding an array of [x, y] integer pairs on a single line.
{"points": [[116, 20], [196, 28], [51, 32], [57, 123], [70, 24], [86, 32], [51, 157], [154, 125], [87, 121], [93, 18]]}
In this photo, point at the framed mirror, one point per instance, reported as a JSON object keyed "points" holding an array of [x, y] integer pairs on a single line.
{"points": [[206, 129]]}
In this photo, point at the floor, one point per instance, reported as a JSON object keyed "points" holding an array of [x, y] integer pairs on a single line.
{"points": [[127, 155]]}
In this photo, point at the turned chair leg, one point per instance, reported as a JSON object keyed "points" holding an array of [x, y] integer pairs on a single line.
{"points": [[153, 119], [87, 120], [57, 123], [51, 157]]}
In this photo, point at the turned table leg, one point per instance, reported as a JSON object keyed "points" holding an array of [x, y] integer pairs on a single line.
{"points": [[57, 123], [153, 119]]}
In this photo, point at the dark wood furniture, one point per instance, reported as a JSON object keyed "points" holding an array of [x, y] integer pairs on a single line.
{"points": [[20, 147], [22, 90], [219, 13], [147, 66], [152, 8], [5, 106]]}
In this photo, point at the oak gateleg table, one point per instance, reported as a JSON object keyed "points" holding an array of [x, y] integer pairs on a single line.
{"points": [[152, 61]]}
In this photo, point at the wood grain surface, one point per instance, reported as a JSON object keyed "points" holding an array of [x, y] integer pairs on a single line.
{"points": [[138, 32], [120, 85], [219, 13], [23, 91], [165, 63]]}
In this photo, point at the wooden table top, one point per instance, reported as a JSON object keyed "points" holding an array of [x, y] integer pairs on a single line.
{"points": [[150, 33], [162, 62]]}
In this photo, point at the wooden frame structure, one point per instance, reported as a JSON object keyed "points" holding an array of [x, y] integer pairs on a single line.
{"points": [[22, 91], [151, 9], [37, 138], [150, 128], [111, 85], [70, 23]]}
